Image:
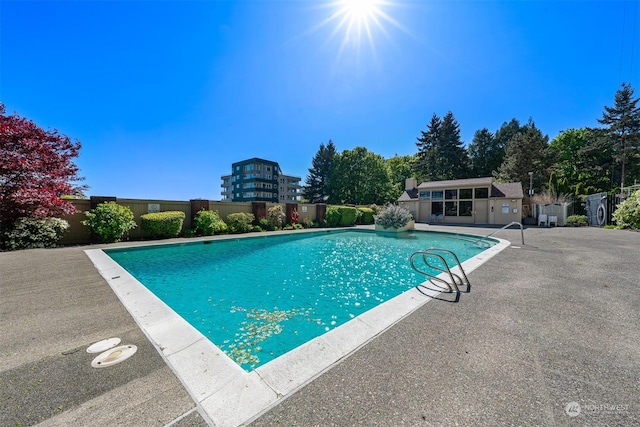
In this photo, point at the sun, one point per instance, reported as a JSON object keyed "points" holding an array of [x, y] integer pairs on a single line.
{"points": [[360, 11], [357, 17], [355, 21]]}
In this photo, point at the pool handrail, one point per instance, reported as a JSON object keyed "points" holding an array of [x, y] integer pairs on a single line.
{"points": [[503, 228], [456, 280]]}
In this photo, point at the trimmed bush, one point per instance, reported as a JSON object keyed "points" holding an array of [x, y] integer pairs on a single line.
{"points": [[348, 215], [343, 216], [332, 216], [627, 214], [393, 216], [109, 221], [366, 216], [575, 219], [208, 223], [28, 233], [276, 216], [162, 224], [240, 222]]}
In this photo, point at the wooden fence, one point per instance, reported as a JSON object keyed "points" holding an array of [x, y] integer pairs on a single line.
{"points": [[79, 234]]}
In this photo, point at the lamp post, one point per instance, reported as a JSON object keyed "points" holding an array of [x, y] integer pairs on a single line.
{"points": [[530, 184]]}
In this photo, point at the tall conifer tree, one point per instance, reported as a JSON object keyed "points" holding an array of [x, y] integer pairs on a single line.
{"points": [[316, 183], [623, 130]]}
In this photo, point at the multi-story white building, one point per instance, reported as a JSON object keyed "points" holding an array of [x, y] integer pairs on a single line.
{"points": [[259, 180]]}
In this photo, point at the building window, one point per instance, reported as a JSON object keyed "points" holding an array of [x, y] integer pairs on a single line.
{"points": [[482, 193], [425, 195], [436, 208], [451, 208], [437, 195], [466, 207], [466, 193], [451, 194]]}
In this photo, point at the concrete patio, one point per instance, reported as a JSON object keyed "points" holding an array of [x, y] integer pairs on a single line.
{"points": [[549, 335]]}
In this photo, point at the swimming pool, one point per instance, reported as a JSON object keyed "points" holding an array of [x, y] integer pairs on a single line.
{"points": [[258, 298], [226, 394]]}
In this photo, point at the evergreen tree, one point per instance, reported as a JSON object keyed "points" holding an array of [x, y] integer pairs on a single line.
{"points": [[453, 158], [506, 133], [485, 154], [441, 152], [526, 152], [428, 149], [316, 183], [623, 130]]}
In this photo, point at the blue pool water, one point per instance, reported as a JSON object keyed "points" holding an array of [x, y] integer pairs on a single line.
{"points": [[257, 298]]}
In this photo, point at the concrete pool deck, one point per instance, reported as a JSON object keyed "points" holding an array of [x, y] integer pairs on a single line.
{"points": [[546, 325]]}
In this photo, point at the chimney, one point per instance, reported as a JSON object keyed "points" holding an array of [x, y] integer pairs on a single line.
{"points": [[410, 183]]}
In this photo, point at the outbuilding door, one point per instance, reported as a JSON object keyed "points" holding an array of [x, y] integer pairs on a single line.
{"points": [[481, 212]]}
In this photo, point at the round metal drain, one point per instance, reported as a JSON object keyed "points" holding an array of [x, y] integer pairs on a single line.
{"points": [[103, 345], [114, 356]]}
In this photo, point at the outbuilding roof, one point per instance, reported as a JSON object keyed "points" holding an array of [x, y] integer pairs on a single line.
{"points": [[510, 190], [470, 182]]}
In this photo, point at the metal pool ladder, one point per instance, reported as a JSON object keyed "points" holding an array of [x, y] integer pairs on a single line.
{"points": [[456, 281]]}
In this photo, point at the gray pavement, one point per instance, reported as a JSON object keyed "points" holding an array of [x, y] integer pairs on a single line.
{"points": [[548, 336]]}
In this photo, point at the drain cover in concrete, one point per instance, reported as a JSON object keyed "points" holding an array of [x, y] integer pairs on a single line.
{"points": [[114, 356], [103, 345]]}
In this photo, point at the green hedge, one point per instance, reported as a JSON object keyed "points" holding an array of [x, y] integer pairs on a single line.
{"points": [[162, 224], [348, 215], [343, 216], [366, 216]]}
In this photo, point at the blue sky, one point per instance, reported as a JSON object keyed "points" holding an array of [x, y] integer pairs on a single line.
{"points": [[165, 95]]}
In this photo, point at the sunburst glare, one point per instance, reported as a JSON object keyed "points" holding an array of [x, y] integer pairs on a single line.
{"points": [[357, 20]]}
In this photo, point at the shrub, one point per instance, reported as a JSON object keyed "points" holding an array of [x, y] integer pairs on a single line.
{"points": [[276, 216], [240, 222], [575, 219], [28, 233], [109, 221], [307, 222], [627, 214], [348, 215], [367, 216], [393, 216], [332, 216], [208, 223], [343, 216], [162, 224], [266, 225]]}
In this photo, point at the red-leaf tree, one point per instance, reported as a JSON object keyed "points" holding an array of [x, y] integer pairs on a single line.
{"points": [[36, 168]]}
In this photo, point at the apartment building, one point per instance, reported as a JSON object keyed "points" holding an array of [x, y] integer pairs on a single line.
{"points": [[259, 180]]}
